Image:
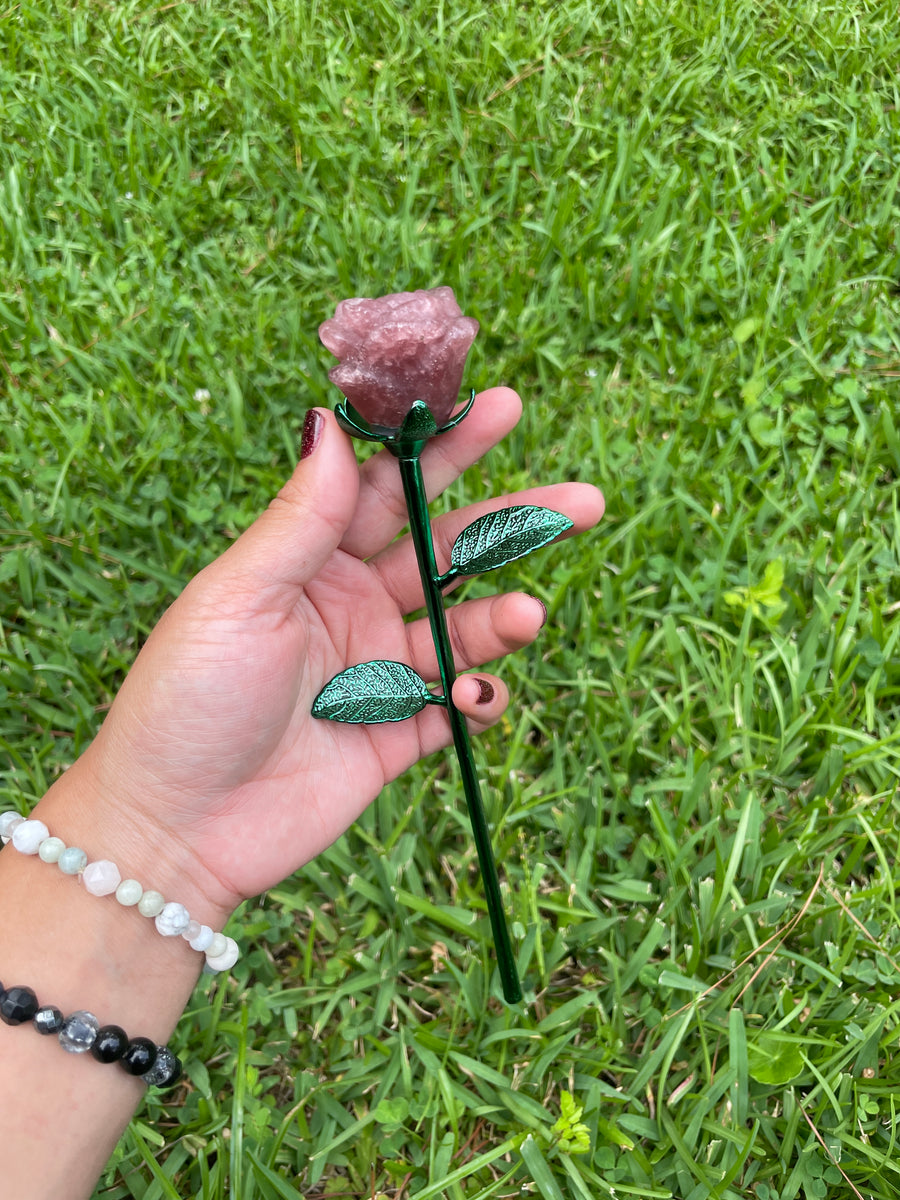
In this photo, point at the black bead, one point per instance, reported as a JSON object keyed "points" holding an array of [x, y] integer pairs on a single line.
{"points": [[109, 1044], [139, 1056], [48, 1019], [172, 1076], [165, 1071], [18, 1004]]}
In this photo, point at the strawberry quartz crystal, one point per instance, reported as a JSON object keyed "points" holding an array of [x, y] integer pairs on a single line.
{"points": [[397, 349]]}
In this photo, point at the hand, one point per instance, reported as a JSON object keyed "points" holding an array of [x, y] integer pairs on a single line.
{"points": [[209, 756]]}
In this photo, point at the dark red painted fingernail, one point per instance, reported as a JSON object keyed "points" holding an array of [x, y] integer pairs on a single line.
{"points": [[485, 692], [313, 424]]}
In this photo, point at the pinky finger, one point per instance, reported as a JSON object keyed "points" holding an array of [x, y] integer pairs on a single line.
{"points": [[481, 698]]}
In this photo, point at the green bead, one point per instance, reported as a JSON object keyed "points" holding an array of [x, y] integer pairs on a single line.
{"points": [[72, 860], [151, 904], [129, 892], [50, 849]]}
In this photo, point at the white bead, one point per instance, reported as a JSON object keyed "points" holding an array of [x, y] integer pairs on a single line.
{"points": [[225, 960], [173, 919], [79, 1032], [218, 945], [8, 822], [151, 904], [101, 878], [129, 892], [192, 930], [11, 826], [28, 836], [51, 849], [203, 940]]}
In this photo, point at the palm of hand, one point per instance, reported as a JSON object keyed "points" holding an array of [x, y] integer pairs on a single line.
{"points": [[227, 732]]}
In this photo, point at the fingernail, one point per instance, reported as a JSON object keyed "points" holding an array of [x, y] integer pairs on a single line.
{"points": [[544, 607], [485, 692], [313, 423]]}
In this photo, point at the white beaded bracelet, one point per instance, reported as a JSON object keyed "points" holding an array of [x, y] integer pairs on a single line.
{"points": [[103, 878]]}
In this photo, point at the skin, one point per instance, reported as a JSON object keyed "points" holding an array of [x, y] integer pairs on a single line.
{"points": [[210, 781]]}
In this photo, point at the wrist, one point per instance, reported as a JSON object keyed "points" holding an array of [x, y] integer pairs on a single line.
{"points": [[77, 952], [86, 884], [84, 809]]}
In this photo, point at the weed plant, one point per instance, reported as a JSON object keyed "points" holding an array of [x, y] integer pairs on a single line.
{"points": [[677, 225]]}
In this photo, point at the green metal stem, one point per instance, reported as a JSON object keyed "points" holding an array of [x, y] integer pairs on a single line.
{"points": [[420, 527]]}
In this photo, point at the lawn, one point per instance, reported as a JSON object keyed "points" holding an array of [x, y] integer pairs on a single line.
{"points": [[677, 224]]}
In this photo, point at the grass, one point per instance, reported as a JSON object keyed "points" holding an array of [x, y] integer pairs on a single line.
{"points": [[677, 226]]}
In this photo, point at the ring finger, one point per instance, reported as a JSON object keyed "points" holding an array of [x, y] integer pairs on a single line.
{"points": [[480, 631]]}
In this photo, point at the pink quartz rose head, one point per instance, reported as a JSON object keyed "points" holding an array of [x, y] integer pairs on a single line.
{"points": [[398, 349]]}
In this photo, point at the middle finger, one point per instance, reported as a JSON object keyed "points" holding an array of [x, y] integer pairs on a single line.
{"points": [[396, 566]]}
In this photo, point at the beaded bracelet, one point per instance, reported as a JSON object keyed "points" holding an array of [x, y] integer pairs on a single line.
{"points": [[155, 1065], [102, 878]]}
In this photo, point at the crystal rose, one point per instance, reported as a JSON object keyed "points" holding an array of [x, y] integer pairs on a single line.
{"points": [[398, 349]]}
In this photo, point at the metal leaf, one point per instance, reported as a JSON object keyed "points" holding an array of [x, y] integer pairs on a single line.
{"points": [[501, 537], [372, 693]]}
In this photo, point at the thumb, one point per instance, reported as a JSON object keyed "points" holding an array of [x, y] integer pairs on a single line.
{"points": [[292, 540]]}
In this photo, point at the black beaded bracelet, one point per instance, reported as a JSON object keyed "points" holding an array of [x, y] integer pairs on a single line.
{"points": [[156, 1065]]}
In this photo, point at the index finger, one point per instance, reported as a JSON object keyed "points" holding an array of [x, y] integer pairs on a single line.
{"points": [[381, 510]]}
